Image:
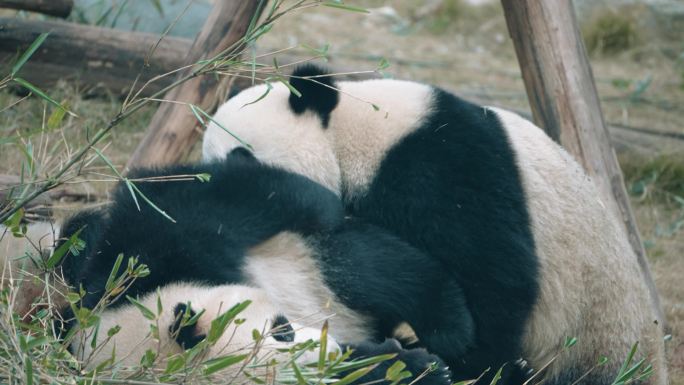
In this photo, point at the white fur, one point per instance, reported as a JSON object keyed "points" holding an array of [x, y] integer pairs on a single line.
{"points": [[349, 150], [587, 262], [135, 336], [284, 267], [277, 137], [19, 272]]}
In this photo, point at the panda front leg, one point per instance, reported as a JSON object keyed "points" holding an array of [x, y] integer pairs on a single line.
{"points": [[425, 368]]}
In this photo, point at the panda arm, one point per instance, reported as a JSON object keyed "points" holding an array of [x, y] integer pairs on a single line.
{"points": [[374, 272]]}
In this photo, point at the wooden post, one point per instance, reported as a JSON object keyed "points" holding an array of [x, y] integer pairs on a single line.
{"points": [[93, 56], [562, 94], [173, 129], [59, 8]]}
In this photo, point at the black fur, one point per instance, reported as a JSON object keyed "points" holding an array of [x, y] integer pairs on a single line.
{"points": [[318, 94], [187, 336], [451, 188], [430, 368], [244, 204], [282, 330]]}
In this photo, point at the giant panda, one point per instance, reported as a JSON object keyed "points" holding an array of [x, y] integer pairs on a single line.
{"points": [[132, 340], [260, 225], [510, 214]]}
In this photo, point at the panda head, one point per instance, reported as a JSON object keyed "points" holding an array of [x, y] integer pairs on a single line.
{"points": [[336, 134], [280, 127], [182, 302]]}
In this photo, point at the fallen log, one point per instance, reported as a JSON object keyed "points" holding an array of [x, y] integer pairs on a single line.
{"points": [[41, 208], [98, 58], [59, 8]]}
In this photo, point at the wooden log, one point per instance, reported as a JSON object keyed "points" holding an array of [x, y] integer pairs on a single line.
{"points": [[59, 8], [92, 56], [174, 129], [564, 101], [41, 208]]}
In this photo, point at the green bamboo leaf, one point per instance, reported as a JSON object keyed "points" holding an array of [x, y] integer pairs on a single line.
{"points": [[200, 114], [71, 244], [355, 375], [323, 347], [394, 371], [42, 94], [203, 177], [298, 374], [290, 87], [216, 364], [28, 53], [497, 376], [149, 202], [147, 313], [340, 5], [269, 87], [56, 118], [113, 273], [175, 364]]}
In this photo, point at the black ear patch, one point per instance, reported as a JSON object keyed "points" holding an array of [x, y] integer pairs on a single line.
{"points": [[186, 335], [318, 92], [282, 330], [242, 153]]}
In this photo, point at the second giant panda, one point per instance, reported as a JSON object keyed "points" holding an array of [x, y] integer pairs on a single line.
{"points": [[134, 337], [260, 225], [539, 256], [29, 286]]}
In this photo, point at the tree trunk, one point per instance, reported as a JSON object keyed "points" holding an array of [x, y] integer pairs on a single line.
{"points": [[59, 8], [174, 129], [562, 94], [93, 56]]}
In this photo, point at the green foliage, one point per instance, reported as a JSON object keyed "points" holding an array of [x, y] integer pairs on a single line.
{"points": [[611, 32]]}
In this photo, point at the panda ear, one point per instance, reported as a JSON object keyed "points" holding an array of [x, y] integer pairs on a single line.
{"points": [[317, 89], [187, 335]]}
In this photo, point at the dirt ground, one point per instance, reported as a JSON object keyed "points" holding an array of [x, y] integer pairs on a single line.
{"points": [[466, 49]]}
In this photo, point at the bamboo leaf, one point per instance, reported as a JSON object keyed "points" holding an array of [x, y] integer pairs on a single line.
{"points": [[42, 94], [340, 5], [61, 251], [147, 313], [216, 364], [28, 53]]}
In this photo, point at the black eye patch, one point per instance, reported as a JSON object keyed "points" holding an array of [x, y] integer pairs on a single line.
{"points": [[282, 330]]}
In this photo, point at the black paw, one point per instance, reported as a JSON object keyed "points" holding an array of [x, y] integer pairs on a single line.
{"points": [[187, 336], [424, 367]]}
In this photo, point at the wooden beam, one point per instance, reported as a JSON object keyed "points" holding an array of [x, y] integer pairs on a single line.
{"points": [[174, 129], [564, 101], [59, 8], [92, 56]]}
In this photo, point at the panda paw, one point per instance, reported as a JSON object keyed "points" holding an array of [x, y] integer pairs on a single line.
{"points": [[427, 368]]}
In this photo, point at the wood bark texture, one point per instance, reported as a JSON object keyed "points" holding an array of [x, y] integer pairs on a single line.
{"points": [[103, 59], [564, 101], [174, 129]]}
